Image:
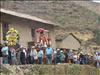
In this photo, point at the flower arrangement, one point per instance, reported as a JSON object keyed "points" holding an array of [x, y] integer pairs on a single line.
{"points": [[12, 37]]}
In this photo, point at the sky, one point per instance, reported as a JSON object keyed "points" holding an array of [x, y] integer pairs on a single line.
{"points": [[98, 1]]}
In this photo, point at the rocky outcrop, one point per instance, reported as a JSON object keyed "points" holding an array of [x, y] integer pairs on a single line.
{"points": [[93, 6], [68, 69]]}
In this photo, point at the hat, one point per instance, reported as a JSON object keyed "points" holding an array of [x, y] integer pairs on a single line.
{"points": [[81, 52], [21, 46], [96, 53], [61, 51], [58, 49], [71, 50], [55, 52], [33, 46]]}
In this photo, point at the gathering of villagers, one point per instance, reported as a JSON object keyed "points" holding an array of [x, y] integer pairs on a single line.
{"points": [[41, 52]]}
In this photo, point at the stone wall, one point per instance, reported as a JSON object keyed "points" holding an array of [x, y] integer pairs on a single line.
{"points": [[68, 69]]}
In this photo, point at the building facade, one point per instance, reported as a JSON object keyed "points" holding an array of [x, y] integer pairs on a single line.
{"points": [[25, 25], [69, 42]]}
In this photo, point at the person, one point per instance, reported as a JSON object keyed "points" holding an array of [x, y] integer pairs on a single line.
{"points": [[54, 56], [35, 54], [12, 56], [44, 55], [70, 56], [5, 54], [9, 57], [82, 59], [66, 56], [22, 57], [1, 54], [40, 55], [94, 58], [87, 58], [31, 55], [98, 60], [49, 52], [18, 53], [25, 52], [13, 53], [75, 58], [29, 61], [58, 56], [62, 56]]}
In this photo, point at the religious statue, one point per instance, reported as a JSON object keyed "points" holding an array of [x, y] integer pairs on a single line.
{"points": [[42, 39]]}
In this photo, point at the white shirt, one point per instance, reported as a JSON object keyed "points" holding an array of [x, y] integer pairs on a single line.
{"points": [[75, 57], [40, 53], [35, 54], [97, 57], [5, 49], [25, 52]]}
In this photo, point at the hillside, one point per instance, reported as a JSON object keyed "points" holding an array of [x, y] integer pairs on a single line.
{"points": [[93, 6], [70, 15], [66, 13]]}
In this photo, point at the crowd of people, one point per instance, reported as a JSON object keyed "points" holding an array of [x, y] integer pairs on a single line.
{"points": [[45, 55]]}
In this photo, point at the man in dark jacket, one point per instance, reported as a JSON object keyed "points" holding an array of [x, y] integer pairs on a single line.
{"points": [[0, 54], [22, 57], [82, 59], [58, 56]]}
